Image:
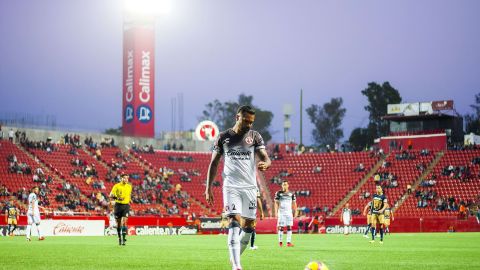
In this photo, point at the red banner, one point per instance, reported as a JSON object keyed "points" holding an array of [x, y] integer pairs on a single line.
{"points": [[138, 81], [442, 105]]}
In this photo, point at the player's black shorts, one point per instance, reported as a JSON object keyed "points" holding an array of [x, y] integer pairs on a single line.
{"points": [[121, 210]]}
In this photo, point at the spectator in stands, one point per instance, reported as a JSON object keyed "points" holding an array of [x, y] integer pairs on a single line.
{"points": [[422, 203], [317, 169], [98, 154], [359, 168], [462, 211], [376, 179], [409, 189], [4, 191], [386, 164], [424, 152], [421, 166], [10, 135]]}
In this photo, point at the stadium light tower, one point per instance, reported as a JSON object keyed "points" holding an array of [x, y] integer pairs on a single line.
{"points": [[138, 107], [287, 123]]}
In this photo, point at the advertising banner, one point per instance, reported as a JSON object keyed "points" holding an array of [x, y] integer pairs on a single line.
{"points": [[210, 224], [442, 105], [59, 227], [156, 230], [404, 108], [138, 81]]}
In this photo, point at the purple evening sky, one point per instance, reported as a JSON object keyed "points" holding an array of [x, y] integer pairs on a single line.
{"points": [[64, 58]]}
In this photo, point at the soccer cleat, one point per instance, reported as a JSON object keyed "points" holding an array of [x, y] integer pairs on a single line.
{"points": [[280, 244], [254, 248], [381, 242], [41, 238], [119, 242], [372, 241], [28, 239], [366, 236], [290, 244]]}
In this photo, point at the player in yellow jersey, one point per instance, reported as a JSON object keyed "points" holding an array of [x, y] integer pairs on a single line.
{"points": [[387, 218], [122, 193], [224, 224], [11, 217], [379, 203], [367, 211]]}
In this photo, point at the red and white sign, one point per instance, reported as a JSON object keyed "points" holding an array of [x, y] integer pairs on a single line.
{"points": [[138, 81], [59, 227], [442, 105], [206, 131]]}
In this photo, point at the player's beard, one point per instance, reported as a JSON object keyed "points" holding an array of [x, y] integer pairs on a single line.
{"points": [[245, 130]]}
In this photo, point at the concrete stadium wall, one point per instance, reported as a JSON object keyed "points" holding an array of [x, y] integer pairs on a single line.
{"points": [[120, 141]]}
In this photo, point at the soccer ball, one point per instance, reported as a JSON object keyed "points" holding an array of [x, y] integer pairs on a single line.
{"points": [[316, 266]]}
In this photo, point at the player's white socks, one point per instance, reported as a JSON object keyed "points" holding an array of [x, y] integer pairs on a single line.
{"points": [[245, 236], [29, 231], [38, 230], [234, 243], [289, 236], [280, 236], [345, 229]]}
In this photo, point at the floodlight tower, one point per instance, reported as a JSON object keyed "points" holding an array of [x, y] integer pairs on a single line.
{"points": [[138, 108], [287, 123]]}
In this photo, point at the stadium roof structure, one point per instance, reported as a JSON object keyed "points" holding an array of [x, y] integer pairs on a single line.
{"points": [[424, 116]]}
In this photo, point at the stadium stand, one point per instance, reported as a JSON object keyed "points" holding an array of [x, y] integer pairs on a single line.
{"points": [[321, 189], [190, 171], [19, 181], [449, 190], [173, 182], [402, 166]]}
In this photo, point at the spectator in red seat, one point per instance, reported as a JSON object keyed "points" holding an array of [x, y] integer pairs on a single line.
{"points": [[359, 168], [10, 135], [409, 189], [462, 211]]}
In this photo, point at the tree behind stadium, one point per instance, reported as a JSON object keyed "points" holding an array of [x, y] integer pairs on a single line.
{"points": [[472, 121], [223, 114], [327, 120], [378, 96]]}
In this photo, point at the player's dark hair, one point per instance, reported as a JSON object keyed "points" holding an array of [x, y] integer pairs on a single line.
{"points": [[34, 188], [246, 109], [284, 181]]}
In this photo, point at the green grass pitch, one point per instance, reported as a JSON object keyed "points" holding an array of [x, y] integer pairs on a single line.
{"points": [[400, 251]]}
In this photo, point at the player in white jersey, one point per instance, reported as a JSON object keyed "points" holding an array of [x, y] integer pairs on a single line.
{"points": [[112, 222], [346, 218], [33, 214], [285, 209], [238, 145]]}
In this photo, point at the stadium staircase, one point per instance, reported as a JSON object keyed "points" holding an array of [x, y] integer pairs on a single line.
{"points": [[422, 177], [359, 185]]}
